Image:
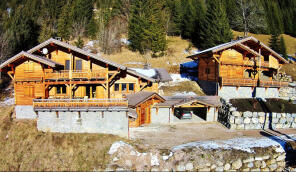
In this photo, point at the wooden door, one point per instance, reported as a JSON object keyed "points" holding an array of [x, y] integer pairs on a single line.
{"points": [[143, 116]]}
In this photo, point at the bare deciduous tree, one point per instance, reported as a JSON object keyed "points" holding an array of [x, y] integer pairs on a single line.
{"points": [[5, 49]]}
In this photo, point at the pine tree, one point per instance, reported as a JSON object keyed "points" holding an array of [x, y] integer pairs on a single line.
{"points": [[64, 22], [274, 42], [216, 29], [147, 26], [174, 27], [282, 47], [188, 20], [199, 19]]}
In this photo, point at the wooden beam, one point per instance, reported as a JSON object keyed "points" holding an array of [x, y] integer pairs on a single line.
{"points": [[10, 75], [113, 76], [217, 58]]}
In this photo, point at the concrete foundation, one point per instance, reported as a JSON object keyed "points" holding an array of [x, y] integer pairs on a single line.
{"points": [[25, 112], [84, 122]]}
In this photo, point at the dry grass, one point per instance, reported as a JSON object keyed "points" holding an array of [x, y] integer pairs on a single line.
{"points": [[289, 40], [290, 69], [187, 86], [23, 148], [175, 55]]}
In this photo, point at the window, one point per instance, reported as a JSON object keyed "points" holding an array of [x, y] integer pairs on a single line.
{"points": [[29, 91], [116, 87], [78, 65], [67, 65], [123, 87], [61, 89], [207, 70], [131, 87]]}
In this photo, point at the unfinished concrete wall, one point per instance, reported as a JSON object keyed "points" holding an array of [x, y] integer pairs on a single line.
{"points": [[25, 112], [212, 115], [87, 122], [161, 115], [229, 92]]}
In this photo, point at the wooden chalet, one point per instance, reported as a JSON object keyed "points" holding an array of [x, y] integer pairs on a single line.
{"points": [[58, 76], [240, 63]]}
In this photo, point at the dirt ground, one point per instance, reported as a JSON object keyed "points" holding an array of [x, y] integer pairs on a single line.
{"points": [[167, 136]]}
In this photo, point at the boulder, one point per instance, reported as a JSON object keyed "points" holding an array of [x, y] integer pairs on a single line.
{"points": [[294, 115], [257, 164], [288, 115], [231, 119], [250, 165], [261, 119], [227, 166], [248, 114], [237, 164], [255, 120], [189, 166], [261, 114], [181, 167], [281, 158], [241, 127], [236, 114], [238, 120], [255, 114], [247, 120], [251, 159], [272, 167], [278, 115], [263, 164]]}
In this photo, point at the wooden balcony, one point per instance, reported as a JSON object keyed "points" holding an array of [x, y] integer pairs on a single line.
{"points": [[76, 74], [246, 63], [251, 82], [79, 104]]}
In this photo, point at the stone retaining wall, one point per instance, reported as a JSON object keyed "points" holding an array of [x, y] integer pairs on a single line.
{"points": [[197, 158], [259, 120], [25, 112]]}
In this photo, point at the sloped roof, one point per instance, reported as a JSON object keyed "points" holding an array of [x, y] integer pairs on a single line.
{"points": [[241, 45], [40, 59], [76, 49], [137, 98], [175, 101], [153, 75], [163, 75]]}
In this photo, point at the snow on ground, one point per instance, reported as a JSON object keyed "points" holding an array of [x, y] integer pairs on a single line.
{"points": [[185, 93], [7, 101], [147, 72], [125, 41], [244, 144], [178, 78]]}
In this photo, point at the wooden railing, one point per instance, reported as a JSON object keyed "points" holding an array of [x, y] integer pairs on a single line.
{"points": [[251, 82], [78, 103], [76, 74], [245, 63]]}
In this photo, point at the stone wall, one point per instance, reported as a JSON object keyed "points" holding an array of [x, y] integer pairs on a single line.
{"points": [[198, 156], [85, 122], [229, 92], [25, 112], [288, 92], [259, 120]]}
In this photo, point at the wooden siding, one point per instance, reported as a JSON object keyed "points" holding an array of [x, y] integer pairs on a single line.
{"points": [[29, 70], [26, 92], [208, 69]]}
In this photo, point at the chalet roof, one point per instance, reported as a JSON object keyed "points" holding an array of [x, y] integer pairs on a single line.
{"points": [[76, 49], [240, 44], [153, 75], [137, 98], [175, 101], [40, 59]]}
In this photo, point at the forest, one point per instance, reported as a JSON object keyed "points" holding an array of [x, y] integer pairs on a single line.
{"points": [[145, 23]]}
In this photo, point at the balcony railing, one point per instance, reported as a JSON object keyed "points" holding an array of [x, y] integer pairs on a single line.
{"points": [[251, 82], [76, 74], [55, 104], [246, 63]]}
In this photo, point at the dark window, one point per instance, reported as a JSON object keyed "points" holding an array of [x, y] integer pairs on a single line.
{"points": [[67, 65], [123, 87], [116, 87], [61, 89], [131, 87], [78, 65], [58, 89], [266, 58], [207, 70]]}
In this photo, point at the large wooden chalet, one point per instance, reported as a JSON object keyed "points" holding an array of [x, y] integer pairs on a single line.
{"points": [[245, 62], [58, 76]]}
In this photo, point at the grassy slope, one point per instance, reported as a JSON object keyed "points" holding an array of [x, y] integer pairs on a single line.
{"points": [[24, 148]]}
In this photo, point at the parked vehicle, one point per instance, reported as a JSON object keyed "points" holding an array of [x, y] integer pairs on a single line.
{"points": [[183, 114]]}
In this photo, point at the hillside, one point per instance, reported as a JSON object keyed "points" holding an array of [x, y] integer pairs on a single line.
{"points": [[289, 40]]}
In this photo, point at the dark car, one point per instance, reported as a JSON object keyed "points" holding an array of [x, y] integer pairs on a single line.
{"points": [[183, 114]]}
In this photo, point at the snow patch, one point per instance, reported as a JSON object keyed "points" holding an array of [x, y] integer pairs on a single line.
{"points": [[185, 94], [147, 72], [178, 78], [154, 160], [7, 101], [90, 44], [244, 144], [117, 145], [125, 41]]}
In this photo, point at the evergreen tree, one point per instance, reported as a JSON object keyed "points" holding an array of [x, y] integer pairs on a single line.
{"points": [[64, 22], [174, 27], [216, 29], [147, 26], [282, 47], [200, 15], [188, 20], [274, 42]]}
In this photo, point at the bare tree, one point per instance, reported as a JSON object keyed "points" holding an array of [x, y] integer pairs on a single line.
{"points": [[248, 16], [5, 49], [79, 28]]}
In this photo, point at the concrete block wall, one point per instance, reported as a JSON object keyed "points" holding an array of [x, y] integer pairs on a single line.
{"points": [[260, 120], [87, 122], [25, 112]]}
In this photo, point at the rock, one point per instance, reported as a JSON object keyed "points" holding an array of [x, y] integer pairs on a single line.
{"points": [[275, 120], [266, 157], [219, 163], [231, 119], [281, 158], [283, 120], [270, 161], [238, 120], [233, 126], [213, 166], [265, 169], [227, 166], [255, 120], [279, 126], [258, 158], [294, 115], [237, 164], [281, 164], [273, 115], [251, 159], [255, 114], [232, 109], [263, 164], [115, 159], [205, 169], [246, 169], [181, 167], [189, 166], [257, 164], [128, 163], [288, 115], [250, 165], [208, 164], [236, 114], [293, 125], [220, 168], [248, 114], [240, 127], [290, 119], [284, 115], [256, 169], [261, 114], [261, 119], [247, 120], [248, 127], [273, 167], [278, 115], [179, 155]]}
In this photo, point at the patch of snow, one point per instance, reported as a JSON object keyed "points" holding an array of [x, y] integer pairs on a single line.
{"points": [[125, 41], [167, 157], [185, 93], [147, 72], [139, 63], [7, 101], [90, 43], [117, 145], [178, 78], [244, 144], [154, 160]]}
